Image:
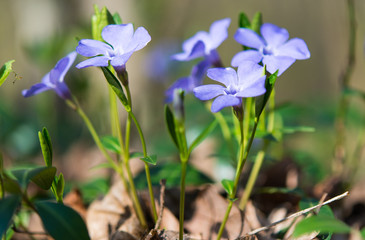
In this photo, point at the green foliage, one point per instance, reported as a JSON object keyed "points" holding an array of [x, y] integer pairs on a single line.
{"points": [[261, 101], [228, 186], [111, 143], [203, 135], [61, 222], [323, 224], [170, 123], [101, 19], [5, 70], [150, 159], [171, 172], [94, 189], [42, 176], [8, 206], [46, 146]]}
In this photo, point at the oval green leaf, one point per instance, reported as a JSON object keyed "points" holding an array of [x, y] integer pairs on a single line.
{"points": [[150, 159], [8, 205], [323, 224], [111, 143], [46, 146], [61, 222], [228, 186], [5, 70]]}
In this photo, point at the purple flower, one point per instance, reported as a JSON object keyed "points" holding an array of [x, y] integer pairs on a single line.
{"points": [[273, 48], [54, 79], [187, 84], [121, 43], [204, 44], [248, 81]]}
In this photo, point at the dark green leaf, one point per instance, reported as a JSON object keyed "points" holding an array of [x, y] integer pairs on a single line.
{"points": [[325, 211], [322, 224], [136, 155], [60, 187], [117, 19], [1, 163], [171, 172], [362, 232], [150, 159], [262, 100], [256, 22], [117, 88], [11, 185], [42, 176], [203, 135], [46, 146], [61, 222], [244, 22], [94, 189], [8, 206], [169, 118], [228, 186], [5, 71], [111, 143]]}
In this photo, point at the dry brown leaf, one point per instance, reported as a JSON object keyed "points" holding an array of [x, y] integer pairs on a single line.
{"points": [[114, 213]]}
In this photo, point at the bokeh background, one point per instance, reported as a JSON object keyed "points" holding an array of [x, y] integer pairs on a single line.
{"points": [[36, 33]]}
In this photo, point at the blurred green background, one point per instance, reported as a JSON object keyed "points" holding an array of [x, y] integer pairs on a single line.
{"points": [[37, 33]]}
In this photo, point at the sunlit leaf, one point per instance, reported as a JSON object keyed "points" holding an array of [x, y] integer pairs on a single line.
{"points": [[61, 221], [5, 70], [46, 146], [169, 118], [323, 224], [60, 187], [150, 159], [262, 100], [111, 143], [228, 186], [8, 206], [256, 22]]}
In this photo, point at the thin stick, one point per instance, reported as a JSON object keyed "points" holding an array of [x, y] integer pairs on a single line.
{"points": [[294, 215], [162, 203]]}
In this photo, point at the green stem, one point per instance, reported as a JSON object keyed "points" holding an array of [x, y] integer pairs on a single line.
{"points": [[182, 197], [247, 118]]}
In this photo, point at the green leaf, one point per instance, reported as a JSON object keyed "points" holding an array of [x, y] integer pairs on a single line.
{"points": [[323, 224], [111, 143], [117, 19], [42, 176], [103, 165], [203, 135], [362, 233], [11, 185], [256, 22], [295, 129], [60, 188], [5, 70], [1, 163], [325, 211], [61, 221], [117, 88], [8, 206], [46, 146], [262, 100], [169, 118], [150, 159], [94, 188], [228, 186], [171, 171], [244, 22], [135, 155], [99, 20]]}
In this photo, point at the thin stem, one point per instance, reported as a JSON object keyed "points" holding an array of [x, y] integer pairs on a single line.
{"points": [[225, 219], [247, 117], [182, 198]]}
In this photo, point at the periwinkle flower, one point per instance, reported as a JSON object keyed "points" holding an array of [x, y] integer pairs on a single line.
{"points": [[121, 42], [204, 44], [248, 81], [273, 48], [54, 80], [187, 84]]}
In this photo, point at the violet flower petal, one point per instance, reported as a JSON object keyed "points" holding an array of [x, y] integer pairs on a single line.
{"points": [[91, 48], [249, 38], [227, 76], [100, 61], [249, 73], [280, 63], [58, 73], [274, 35], [139, 40], [295, 48], [198, 50], [256, 88], [207, 92], [224, 101], [218, 32], [248, 55], [120, 59], [35, 89], [118, 36]]}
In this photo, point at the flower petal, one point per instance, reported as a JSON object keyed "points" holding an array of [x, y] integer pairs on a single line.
{"points": [[248, 73], [119, 36], [35, 89], [197, 51], [58, 73], [274, 63], [100, 61], [182, 83], [218, 32], [225, 101], [248, 55], [249, 38], [206, 92], [256, 88], [120, 60], [139, 40], [62, 90], [91, 48], [295, 48], [274, 35], [227, 76]]}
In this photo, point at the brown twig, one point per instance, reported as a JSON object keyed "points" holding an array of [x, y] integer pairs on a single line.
{"points": [[294, 215], [24, 231], [162, 203]]}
